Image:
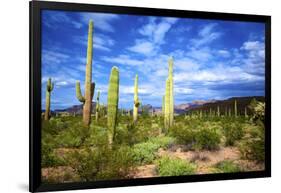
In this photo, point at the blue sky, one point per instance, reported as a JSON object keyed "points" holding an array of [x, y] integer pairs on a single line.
{"points": [[213, 59]]}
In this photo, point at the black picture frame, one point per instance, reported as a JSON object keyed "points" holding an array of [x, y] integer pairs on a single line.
{"points": [[35, 8]]}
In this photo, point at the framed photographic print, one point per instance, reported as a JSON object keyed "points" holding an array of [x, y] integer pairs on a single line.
{"points": [[125, 96]]}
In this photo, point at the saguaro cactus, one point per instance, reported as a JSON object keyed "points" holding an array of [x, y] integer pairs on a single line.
{"points": [[89, 85], [218, 111], [49, 88], [246, 114], [136, 100], [98, 106], [112, 103], [235, 108], [169, 97]]}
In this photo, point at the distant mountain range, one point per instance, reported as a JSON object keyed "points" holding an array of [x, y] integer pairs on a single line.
{"points": [[203, 105]]}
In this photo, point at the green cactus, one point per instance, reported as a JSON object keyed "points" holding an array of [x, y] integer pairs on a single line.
{"points": [[169, 97], [89, 85], [49, 89], [112, 103], [235, 108], [218, 111], [246, 114], [229, 112], [98, 106], [210, 112], [136, 100]]}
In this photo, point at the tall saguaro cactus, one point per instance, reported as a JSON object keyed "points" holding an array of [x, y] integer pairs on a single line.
{"points": [[98, 106], [89, 85], [136, 100], [112, 103], [163, 105], [49, 89], [169, 97]]}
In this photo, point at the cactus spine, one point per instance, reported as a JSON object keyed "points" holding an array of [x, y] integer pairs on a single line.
{"points": [[49, 88], [98, 106], [89, 85], [235, 108], [136, 100], [112, 103], [169, 97]]}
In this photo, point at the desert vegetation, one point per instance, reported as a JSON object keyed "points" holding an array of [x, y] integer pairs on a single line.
{"points": [[107, 142]]}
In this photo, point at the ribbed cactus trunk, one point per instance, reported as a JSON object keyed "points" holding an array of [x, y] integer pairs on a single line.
{"points": [[218, 111], [171, 64], [136, 100], [112, 104], [89, 86], [235, 108], [49, 89], [169, 97], [98, 106]]}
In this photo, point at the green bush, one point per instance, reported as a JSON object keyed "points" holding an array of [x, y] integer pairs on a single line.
{"points": [[144, 153], [184, 133], [227, 167], [74, 136], [232, 133], [101, 163], [252, 147], [49, 159], [174, 167], [207, 138]]}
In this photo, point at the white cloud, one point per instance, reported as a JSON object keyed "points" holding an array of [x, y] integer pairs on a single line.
{"points": [[53, 57], [206, 35], [224, 53], [102, 21], [122, 60], [56, 17], [144, 47], [153, 33]]}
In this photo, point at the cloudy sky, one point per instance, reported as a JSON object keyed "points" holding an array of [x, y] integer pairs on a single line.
{"points": [[212, 59]]}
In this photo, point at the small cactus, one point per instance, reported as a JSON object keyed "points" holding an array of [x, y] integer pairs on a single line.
{"points": [[218, 111], [89, 85], [98, 106], [136, 100], [112, 103], [49, 89]]}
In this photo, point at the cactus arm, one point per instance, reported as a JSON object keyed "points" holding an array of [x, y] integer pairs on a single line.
{"points": [[78, 93], [136, 100]]}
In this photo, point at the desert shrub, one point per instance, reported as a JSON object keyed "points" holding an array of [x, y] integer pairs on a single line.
{"points": [[252, 147], [101, 163], [184, 133], [227, 167], [49, 159], [207, 138], [144, 153], [74, 136], [174, 167], [232, 133]]}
